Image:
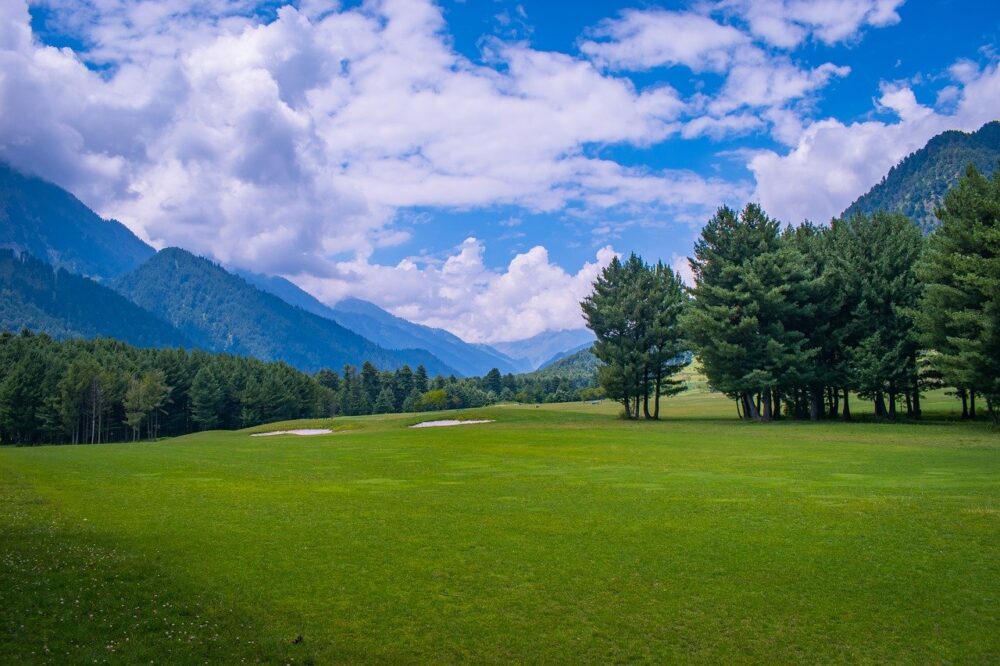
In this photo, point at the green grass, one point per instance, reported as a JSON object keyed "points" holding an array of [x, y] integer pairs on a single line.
{"points": [[557, 534]]}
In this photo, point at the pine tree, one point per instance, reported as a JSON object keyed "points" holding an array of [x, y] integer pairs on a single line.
{"points": [[959, 313], [734, 323], [666, 350], [384, 401], [880, 254], [208, 398]]}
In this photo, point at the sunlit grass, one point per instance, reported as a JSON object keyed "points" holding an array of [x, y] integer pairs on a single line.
{"points": [[556, 534]]}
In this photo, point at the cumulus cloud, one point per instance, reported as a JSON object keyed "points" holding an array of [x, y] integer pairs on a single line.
{"points": [[832, 163], [640, 40], [787, 23], [530, 295]]}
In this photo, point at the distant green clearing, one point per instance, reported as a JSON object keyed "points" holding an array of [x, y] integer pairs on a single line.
{"points": [[556, 534]]}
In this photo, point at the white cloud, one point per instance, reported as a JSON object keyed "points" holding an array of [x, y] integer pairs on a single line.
{"points": [[833, 163], [531, 294], [787, 23], [640, 40], [754, 76]]}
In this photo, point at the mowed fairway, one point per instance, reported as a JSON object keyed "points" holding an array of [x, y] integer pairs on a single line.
{"points": [[555, 534]]}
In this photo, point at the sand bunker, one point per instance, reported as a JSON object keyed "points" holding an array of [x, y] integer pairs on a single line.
{"points": [[306, 432], [448, 422]]}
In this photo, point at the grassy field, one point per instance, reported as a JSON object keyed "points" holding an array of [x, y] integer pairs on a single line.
{"points": [[555, 534]]}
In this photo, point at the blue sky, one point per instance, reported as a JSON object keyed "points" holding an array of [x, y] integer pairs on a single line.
{"points": [[471, 165]]}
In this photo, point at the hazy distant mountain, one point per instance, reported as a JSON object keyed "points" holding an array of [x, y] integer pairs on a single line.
{"points": [[39, 298], [54, 226], [917, 185], [392, 332], [223, 312], [565, 354], [545, 347], [580, 365]]}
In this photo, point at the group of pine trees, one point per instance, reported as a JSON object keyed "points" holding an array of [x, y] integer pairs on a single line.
{"points": [[634, 312], [792, 322]]}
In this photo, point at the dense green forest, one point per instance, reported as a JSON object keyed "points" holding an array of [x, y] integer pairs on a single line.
{"points": [[35, 296], [916, 186], [792, 322]]}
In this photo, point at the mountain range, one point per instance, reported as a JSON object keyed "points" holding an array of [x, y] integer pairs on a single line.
{"points": [[68, 272], [392, 332], [917, 185], [546, 348]]}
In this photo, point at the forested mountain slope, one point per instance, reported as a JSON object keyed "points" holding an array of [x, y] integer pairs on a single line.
{"points": [[54, 226], [37, 297], [223, 312], [580, 365], [916, 186]]}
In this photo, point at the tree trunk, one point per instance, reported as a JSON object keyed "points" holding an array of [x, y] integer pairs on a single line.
{"points": [[750, 407], [880, 412], [892, 402], [917, 411], [847, 405], [627, 401], [965, 402], [972, 405], [767, 405], [739, 412], [815, 403], [909, 403], [835, 404], [776, 404], [645, 393], [656, 397]]}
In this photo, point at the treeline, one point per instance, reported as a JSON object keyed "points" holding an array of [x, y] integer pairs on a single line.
{"points": [[371, 391], [90, 391], [104, 390], [793, 322]]}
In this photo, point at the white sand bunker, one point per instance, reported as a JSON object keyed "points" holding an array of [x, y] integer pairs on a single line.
{"points": [[304, 432], [448, 422]]}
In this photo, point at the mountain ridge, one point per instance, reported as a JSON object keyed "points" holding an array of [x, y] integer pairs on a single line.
{"points": [[221, 311], [52, 225], [917, 185], [389, 331]]}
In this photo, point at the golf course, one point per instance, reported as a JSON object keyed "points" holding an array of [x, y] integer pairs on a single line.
{"points": [[554, 533]]}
